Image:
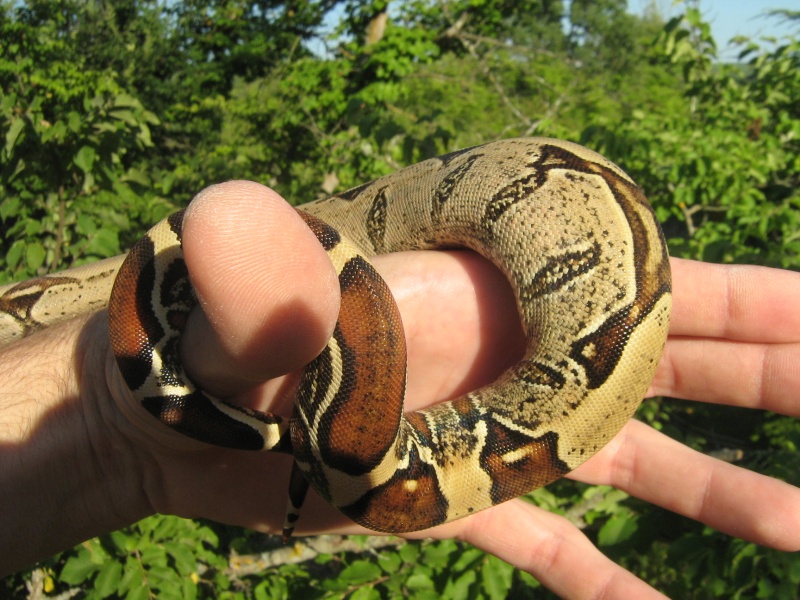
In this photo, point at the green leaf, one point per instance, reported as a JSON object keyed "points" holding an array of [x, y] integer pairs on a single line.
{"points": [[32, 227], [144, 135], [108, 580], [140, 592], [123, 540], [85, 225], [126, 116], [133, 576], [74, 121], [529, 580], [52, 131], [185, 560], [14, 255], [361, 571], [104, 243], [389, 561], [617, 529], [165, 527], [410, 552], [439, 554], [84, 159], [496, 576], [419, 581], [137, 176], [460, 588], [126, 100], [78, 569], [468, 559], [34, 256], [274, 588], [188, 589], [10, 207], [12, 135], [153, 556], [164, 578], [365, 593]]}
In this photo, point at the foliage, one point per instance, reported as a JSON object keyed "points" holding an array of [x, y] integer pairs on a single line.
{"points": [[74, 142], [114, 113], [698, 163]]}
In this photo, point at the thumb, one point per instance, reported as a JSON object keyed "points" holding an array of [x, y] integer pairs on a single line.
{"points": [[268, 292]]}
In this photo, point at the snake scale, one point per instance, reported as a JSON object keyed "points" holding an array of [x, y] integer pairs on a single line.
{"points": [[588, 265]]}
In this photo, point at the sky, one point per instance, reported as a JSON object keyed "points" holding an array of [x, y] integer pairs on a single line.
{"points": [[729, 18]]}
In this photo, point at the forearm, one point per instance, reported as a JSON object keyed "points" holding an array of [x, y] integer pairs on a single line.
{"points": [[64, 474]]}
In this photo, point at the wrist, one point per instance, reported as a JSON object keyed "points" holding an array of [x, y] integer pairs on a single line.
{"points": [[68, 473]]}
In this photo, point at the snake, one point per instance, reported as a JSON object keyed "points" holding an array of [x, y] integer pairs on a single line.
{"points": [[586, 259]]}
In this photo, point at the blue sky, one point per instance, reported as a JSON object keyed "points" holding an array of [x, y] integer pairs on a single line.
{"points": [[733, 17], [728, 18]]}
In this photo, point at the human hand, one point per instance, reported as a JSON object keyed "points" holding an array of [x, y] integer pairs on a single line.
{"points": [[734, 339], [273, 299]]}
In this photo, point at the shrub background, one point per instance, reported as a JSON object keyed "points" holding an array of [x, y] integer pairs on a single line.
{"points": [[113, 114]]}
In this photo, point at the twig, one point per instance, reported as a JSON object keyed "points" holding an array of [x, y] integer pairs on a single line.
{"points": [[305, 550]]}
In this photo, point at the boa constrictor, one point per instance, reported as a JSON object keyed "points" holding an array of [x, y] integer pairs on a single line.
{"points": [[585, 257]]}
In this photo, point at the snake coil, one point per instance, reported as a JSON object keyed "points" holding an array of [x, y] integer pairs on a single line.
{"points": [[588, 265]]}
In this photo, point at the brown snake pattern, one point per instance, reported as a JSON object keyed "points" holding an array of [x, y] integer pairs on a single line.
{"points": [[587, 262]]}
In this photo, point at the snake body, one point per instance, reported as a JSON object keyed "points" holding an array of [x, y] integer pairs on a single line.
{"points": [[588, 265]]}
